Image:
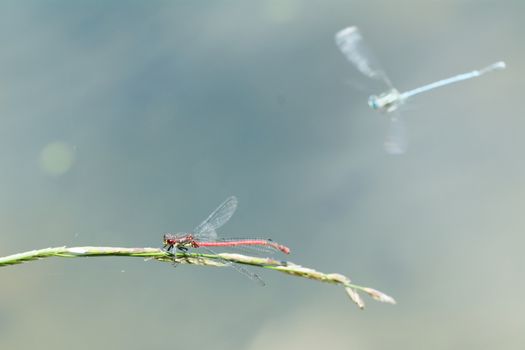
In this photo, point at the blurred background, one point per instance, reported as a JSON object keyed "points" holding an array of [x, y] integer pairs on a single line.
{"points": [[120, 121]]}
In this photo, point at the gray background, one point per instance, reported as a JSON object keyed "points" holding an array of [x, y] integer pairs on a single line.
{"points": [[168, 107]]}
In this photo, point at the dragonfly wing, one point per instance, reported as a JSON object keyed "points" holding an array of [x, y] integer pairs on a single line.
{"points": [[221, 215], [352, 45], [236, 267], [396, 138]]}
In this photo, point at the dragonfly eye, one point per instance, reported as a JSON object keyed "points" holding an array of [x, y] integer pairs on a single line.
{"points": [[372, 102]]}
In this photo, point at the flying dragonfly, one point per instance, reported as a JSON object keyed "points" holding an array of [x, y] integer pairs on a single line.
{"points": [[351, 44]]}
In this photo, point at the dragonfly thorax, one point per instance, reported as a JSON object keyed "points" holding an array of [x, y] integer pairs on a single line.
{"points": [[178, 239], [386, 102]]}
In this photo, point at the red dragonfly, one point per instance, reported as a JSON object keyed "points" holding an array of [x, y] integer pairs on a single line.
{"points": [[205, 236]]}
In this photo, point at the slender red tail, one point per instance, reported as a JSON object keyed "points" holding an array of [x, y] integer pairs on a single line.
{"points": [[245, 242]]}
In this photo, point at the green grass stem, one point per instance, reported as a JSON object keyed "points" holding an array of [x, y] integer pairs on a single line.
{"points": [[191, 258]]}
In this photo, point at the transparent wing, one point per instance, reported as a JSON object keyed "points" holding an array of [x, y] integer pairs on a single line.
{"points": [[396, 138], [351, 44], [221, 215], [240, 269]]}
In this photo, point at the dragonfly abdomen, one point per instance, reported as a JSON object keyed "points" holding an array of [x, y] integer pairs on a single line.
{"points": [[245, 242]]}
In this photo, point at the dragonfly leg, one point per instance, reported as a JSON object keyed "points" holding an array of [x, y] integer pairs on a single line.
{"points": [[169, 246], [174, 256]]}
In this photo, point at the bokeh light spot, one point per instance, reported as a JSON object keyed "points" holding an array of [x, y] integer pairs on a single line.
{"points": [[56, 158]]}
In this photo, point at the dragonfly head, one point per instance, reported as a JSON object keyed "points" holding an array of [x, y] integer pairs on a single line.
{"points": [[373, 102], [168, 239]]}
